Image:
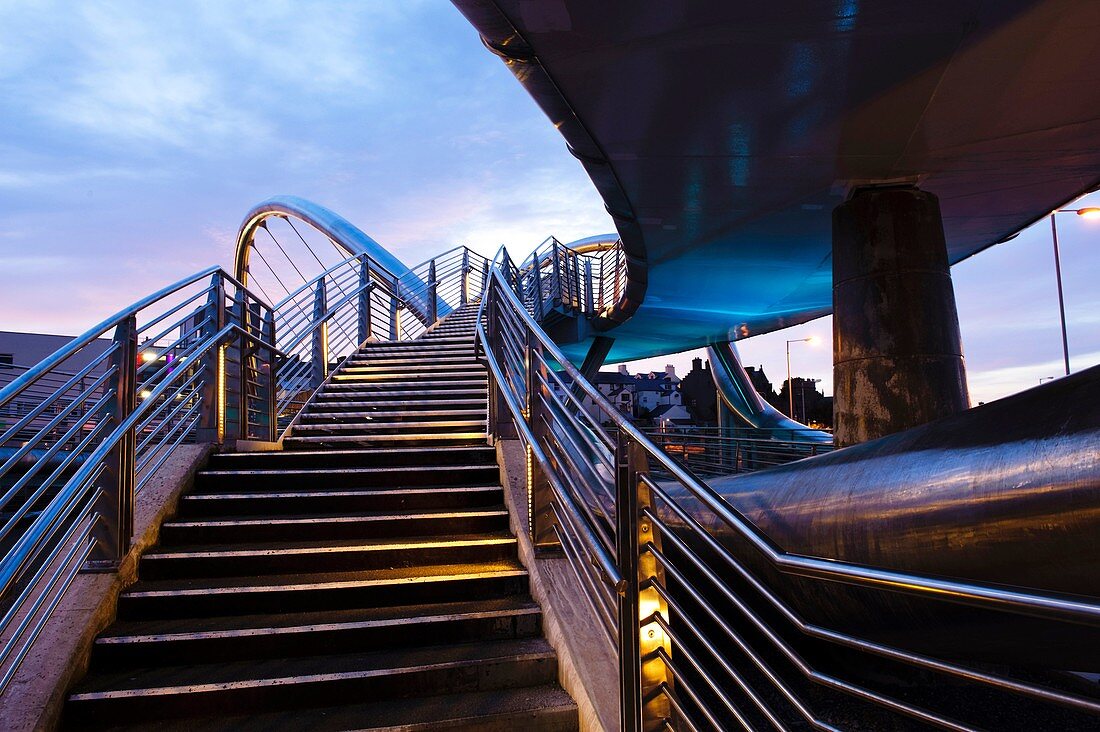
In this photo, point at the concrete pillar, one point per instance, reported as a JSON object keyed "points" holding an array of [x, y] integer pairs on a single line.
{"points": [[897, 352]]}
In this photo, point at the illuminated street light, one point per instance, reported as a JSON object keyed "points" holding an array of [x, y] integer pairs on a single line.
{"points": [[148, 357], [812, 340], [1089, 212]]}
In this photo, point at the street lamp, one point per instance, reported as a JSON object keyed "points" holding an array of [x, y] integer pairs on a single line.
{"points": [[790, 387], [1090, 212]]}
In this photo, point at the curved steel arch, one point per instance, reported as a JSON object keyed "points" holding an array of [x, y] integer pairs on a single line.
{"points": [[341, 231]]}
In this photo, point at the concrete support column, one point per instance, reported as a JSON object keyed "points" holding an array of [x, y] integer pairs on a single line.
{"points": [[897, 352]]}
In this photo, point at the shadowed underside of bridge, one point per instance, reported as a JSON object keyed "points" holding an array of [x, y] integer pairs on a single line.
{"points": [[722, 135]]}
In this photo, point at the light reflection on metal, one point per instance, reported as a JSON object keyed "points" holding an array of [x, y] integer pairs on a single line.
{"points": [[737, 394], [920, 548]]}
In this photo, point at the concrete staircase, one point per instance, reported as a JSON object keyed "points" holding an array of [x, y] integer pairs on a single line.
{"points": [[363, 578]]}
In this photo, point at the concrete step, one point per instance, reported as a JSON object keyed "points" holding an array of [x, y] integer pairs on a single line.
{"points": [[322, 500], [265, 685], [357, 395], [351, 407], [398, 457], [230, 638], [210, 481], [344, 555], [367, 418], [338, 526], [166, 599], [327, 442]]}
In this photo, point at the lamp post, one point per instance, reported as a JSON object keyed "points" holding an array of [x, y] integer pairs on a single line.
{"points": [[790, 387], [1090, 212]]}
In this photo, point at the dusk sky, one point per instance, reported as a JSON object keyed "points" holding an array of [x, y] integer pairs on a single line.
{"points": [[138, 133]]}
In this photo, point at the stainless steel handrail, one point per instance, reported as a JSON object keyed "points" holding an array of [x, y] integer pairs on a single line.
{"points": [[559, 444], [202, 360]]}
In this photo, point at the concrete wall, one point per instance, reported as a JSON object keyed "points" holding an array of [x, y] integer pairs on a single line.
{"points": [[587, 667]]}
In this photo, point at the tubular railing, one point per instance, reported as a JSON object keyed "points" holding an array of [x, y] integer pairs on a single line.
{"points": [[588, 281], [711, 453], [358, 300], [31, 397], [704, 628], [203, 360], [96, 420]]}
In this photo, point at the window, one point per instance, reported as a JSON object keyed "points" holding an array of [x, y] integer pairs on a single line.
{"points": [[6, 360]]}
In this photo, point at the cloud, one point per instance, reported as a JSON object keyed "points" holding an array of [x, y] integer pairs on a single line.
{"points": [[991, 384], [16, 179]]}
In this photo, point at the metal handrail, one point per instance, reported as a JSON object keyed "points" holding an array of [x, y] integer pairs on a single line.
{"points": [[840, 571], [522, 397], [211, 361], [60, 355]]}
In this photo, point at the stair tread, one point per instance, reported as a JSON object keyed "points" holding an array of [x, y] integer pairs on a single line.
{"points": [[332, 492], [380, 438], [125, 631], [451, 411], [195, 679], [343, 516], [497, 710], [306, 580], [458, 449], [326, 545], [396, 470]]}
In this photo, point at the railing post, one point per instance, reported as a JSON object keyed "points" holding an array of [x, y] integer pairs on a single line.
{"points": [[395, 315], [555, 274], [320, 335], [642, 672], [433, 286], [115, 504], [464, 289], [539, 492], [484, 274], [500, 418], [244, 355], [538, 287], [588, 305], [212, 422], [364, 300], [268, 335]]}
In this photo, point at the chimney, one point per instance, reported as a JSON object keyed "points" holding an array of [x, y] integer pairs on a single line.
{"points": [[670, 370], [622, 370]]}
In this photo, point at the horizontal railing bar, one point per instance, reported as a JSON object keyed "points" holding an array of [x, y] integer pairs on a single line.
{"points": [[42, 406], [19, 605], [684, 650], [830, 635], [183, 433]]}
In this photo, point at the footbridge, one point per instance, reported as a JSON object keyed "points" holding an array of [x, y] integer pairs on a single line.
{"points": [[327, 490], [350, 547]]}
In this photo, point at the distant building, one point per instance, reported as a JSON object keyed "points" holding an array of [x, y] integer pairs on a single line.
{"points": [[760, 382], [658, 389], [698, 394], [615, 387], [27, 349], [19, 352], [810, 405]]}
